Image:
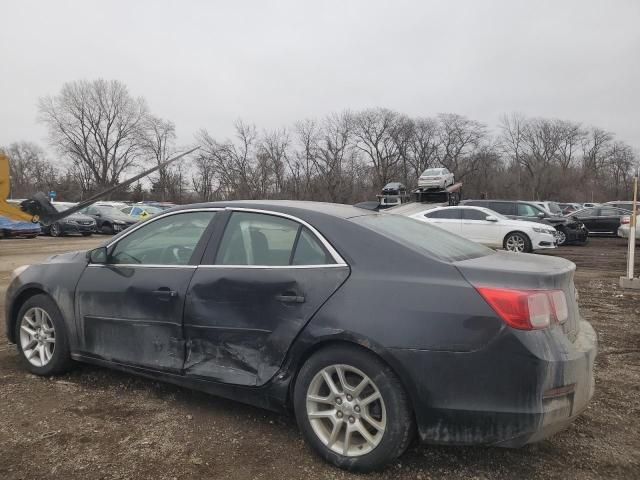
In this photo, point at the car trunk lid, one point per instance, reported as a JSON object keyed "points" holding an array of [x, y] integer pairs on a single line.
{"points": [[522, 271]]}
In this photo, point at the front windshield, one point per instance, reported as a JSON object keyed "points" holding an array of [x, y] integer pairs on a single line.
{"points": [[554, 207], [108, 210], [152, 210], [428, 238], [432, 171]]}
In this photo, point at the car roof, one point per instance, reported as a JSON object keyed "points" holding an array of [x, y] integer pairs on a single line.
{"points": [[338, 210]]}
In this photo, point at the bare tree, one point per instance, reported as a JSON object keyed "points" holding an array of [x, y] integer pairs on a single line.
{"points": [[29, 169], [98, 125], [158, 142], [375, 132], [459, 138]]}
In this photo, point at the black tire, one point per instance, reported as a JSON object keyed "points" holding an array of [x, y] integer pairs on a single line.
{"points": [[513, 236], [60, 361], [561, 236], [107, 229], [86, 234], [400, 427], [55, 230]]}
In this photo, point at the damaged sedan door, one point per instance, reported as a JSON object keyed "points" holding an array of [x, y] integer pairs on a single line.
{"points": [[130, 306], [261, 281]]}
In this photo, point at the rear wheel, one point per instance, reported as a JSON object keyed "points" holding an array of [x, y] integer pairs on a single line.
{"points": [[517, 242], [352, 409], [41, 337]]}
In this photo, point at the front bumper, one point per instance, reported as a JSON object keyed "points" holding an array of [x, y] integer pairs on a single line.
{"points": [[505, 394], [78, 228], [576, 233], [543, 241]]}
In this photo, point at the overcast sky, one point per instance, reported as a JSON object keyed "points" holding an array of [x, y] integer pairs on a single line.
{"points": [[204, 64]]}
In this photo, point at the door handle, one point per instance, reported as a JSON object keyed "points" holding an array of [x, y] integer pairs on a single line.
{"points": [[290, 298], [165, 293]]}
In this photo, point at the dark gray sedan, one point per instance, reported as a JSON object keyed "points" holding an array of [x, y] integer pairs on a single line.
{"points": [[370, 327]]}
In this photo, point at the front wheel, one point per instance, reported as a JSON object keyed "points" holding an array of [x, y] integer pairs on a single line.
{"points": [[561, 237], [41, 337], [517, 242], [352, 409], [55, 230], [107, 229]]}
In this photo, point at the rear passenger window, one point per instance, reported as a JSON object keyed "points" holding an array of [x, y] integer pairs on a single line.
{"points": [[525, 210], [451, 214], [269, 240], [471, 214], [309, 251]]}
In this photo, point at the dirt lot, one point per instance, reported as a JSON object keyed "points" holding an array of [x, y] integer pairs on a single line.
{"points": [[98, 424]]}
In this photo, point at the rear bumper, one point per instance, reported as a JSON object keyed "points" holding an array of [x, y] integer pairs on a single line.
{"points": [[520, 389], [431, 183]]}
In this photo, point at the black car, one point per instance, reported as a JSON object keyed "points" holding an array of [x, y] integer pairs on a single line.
{"points": [[74, 223], [394, 188], [625, 205], [601, 220], [284, 306], [109, 219], [570, 230]]}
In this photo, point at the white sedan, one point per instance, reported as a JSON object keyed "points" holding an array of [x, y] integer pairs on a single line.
{"points": [[435, 178], [490, 228]]}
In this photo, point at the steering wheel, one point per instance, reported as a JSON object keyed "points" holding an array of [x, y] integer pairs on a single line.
{"points": [[177, 254]]}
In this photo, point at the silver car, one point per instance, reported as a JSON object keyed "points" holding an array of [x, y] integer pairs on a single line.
{"points": [[436, 178]]}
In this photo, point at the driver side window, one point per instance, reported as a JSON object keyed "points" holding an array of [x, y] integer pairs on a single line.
{"points": [[167, 241]]}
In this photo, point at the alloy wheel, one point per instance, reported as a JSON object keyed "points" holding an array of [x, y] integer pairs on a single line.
{"points": [[37, 336], [346, 410], [55, 230], [515, 243], [561, 237]]}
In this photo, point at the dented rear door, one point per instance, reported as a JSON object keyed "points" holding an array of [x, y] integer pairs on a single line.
{"points": [[268, 277]]}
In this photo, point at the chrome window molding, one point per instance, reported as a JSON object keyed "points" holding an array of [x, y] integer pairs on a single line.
{"points": [[266, 267], [140, 265], [340, 262], [164, 215], [332, 251]]}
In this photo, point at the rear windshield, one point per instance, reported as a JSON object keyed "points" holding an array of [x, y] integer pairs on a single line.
{"points": [[430, 239]]}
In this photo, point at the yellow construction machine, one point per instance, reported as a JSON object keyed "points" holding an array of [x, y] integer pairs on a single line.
{"points": [[39, 209]]}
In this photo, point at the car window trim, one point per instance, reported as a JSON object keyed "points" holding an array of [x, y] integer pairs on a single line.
{"points": [[151, 220], [340, 262]]}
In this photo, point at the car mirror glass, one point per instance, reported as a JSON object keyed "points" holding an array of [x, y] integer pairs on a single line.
{"points": [[97, 255]]}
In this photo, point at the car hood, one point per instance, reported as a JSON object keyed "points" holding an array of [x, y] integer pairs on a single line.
{"points": [[79, 256], [79, 217], [521, 224]]}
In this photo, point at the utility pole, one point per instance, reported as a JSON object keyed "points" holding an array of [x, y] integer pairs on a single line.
{"points": [[630, 281]]}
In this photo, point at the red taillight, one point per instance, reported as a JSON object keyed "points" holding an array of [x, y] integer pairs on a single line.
{"points": [[625, 220], [527, 309]]}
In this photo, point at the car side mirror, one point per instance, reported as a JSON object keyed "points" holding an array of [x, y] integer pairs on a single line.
{"points": [[98, 214], [540, 215], [491, 218], [98, 255]]}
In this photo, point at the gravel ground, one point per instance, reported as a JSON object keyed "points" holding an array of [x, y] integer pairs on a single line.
{"points": [[94, 423]]}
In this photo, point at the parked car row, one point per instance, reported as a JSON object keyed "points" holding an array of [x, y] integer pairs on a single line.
{"points": [[568, 230]]}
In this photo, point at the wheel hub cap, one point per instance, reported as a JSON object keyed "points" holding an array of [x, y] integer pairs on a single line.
{"points": [[346, 410], [37, 336]]}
